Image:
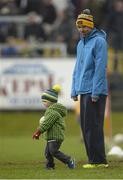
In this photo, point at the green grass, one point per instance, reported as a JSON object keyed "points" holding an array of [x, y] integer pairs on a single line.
{"points": [[23, 158]]}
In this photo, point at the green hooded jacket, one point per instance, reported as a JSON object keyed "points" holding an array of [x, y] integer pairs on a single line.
{"points": [[54, 122]]}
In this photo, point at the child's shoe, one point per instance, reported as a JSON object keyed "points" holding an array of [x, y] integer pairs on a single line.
{"points": [[49, 168], [71, 164]]}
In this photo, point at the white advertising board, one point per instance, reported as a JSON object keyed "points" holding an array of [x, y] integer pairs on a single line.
{"points": [[22, 82]]}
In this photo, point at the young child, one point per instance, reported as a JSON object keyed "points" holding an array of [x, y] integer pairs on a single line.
{"points": [[53, 124]]}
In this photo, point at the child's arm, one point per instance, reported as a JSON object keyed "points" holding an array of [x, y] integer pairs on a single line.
{"points": [[50, 118], [36, 134]]}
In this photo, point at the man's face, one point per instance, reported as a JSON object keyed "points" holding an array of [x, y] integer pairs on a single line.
{"points": [[84, 30]]}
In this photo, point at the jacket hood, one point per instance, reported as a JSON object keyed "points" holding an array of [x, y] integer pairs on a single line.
{"points": [[95, 32], [59, 108]]}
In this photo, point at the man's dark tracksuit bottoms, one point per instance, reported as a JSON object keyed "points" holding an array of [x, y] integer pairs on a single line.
{"points": [[92, 121]]}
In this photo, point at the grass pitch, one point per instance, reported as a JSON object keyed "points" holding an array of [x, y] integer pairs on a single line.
{"points": [[23, 158]]}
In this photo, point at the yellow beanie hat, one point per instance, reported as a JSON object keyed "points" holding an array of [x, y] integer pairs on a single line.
{"points": [[85, 19]]}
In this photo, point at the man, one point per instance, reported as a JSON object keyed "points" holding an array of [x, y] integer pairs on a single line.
{"points": [[89, 81]]}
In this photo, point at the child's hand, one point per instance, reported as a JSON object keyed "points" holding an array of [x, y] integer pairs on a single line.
{"points": [[36, 134]]}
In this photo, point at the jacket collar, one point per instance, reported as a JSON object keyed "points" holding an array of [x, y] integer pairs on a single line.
{"points": [[89, 35]]}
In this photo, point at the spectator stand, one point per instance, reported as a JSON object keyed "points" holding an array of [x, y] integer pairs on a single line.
{"points": [[32, 45]]}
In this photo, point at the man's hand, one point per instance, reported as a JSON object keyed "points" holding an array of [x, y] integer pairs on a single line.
{"points": [[95, 99], [36, 134], [75, 98]]}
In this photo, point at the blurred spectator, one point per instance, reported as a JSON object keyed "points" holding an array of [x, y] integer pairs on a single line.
{"points": [[65, 27], [12, 29], [49, 15], [114, 28], [8, 7], [2, 37], [49, 12], [61, 4], [107, 7], [10, 50], [26, 6], [3, 32], [97, 11], [49, 20], [34, 28], [7, 29], [79, 5], [71, 45]]}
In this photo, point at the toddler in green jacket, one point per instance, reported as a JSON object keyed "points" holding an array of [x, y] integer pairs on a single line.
{"points": [[53, 124]]}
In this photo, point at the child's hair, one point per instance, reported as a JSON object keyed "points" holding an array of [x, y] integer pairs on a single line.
{"points": [[51, 95]]}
